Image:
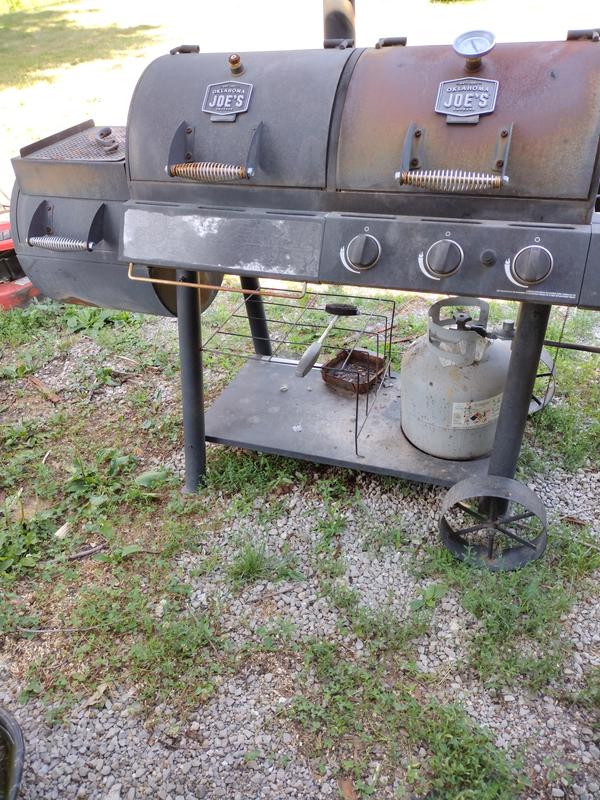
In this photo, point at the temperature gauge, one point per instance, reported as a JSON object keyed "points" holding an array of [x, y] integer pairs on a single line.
{"points": [[473, 45]]}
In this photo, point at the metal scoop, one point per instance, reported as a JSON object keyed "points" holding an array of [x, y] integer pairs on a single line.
{"points": [[312, 352]]}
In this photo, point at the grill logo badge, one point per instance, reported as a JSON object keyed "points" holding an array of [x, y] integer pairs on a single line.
{"points": [[466, 97], [226, 98]]}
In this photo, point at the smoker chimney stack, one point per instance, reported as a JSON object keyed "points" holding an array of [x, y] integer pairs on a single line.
{"points": [[338, 23]]}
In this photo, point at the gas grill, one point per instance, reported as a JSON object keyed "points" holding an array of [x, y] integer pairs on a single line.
{"points": [[469, 171]]}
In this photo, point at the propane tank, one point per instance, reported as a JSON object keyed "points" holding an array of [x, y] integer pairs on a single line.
{"points": [[451, 383]]}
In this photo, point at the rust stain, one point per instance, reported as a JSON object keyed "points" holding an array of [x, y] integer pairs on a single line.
{"points": [[550, 91]]}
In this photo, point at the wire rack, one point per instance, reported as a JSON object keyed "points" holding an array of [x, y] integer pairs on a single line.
{"points": [[294, 325]]}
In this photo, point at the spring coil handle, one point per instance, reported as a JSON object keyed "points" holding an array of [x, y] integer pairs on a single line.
{"points": [[210, 172], [450, 180], [62, 244]]}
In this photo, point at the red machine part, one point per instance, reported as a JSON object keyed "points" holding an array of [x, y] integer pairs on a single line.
{"points": [[6, 242], [15, 289]]}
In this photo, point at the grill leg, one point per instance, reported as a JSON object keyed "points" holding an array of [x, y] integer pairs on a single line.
{"points": [[256, 317], [192, 392], [522, 371]]}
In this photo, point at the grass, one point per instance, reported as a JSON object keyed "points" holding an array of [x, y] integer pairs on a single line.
{"points": [[589, 696], [22, 326], [386, 537], [519, 613], [171, 657], [253, 562], [358, 713], [568, 431], [91, 498], [246, 477], [38, 36], [127, 609]]}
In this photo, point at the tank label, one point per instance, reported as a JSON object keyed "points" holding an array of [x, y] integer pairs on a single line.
{"points": [[476, 413]]}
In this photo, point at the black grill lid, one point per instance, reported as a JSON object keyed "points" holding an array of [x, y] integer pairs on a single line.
{"points": [[290, 92]]}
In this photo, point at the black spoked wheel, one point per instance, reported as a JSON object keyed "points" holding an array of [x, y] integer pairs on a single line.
{"points": [[492, 522]]}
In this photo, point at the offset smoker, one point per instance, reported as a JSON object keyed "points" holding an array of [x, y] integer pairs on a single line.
{"points": [[470, 171]]}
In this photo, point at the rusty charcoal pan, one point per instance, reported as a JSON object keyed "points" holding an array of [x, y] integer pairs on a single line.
{"points": [[361, 370]]}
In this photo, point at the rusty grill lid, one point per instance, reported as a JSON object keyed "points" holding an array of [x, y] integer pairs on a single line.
{"points": [[547, 96]]}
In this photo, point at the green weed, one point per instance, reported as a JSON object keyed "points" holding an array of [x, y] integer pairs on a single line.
{"points": [[589, 696], [24, 541], [330, 525], [253, 562], [171, 656], [248, 476], [91, 319], [179, 657], [20, 326], [386, 537], [357, 712], [277, 634], [519, 612]]}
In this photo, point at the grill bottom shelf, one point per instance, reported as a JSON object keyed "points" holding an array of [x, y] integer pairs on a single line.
{"points": [[312, 422]]}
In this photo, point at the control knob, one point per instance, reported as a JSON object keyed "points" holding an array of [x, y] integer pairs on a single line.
{"points": [[532, 265], [363, 252], [443, 258]]}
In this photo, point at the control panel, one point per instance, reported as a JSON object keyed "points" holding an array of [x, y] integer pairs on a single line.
{"points": [[513, 261]]}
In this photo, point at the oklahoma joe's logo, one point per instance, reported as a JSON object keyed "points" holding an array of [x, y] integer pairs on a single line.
{"points": [[229, 97], [466, 97]]}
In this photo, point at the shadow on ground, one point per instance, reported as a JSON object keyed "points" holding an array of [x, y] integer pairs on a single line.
{"points": [[32, 41]]}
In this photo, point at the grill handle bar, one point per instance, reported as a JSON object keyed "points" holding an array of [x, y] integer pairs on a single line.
{"points": [[254, 292], [61, 244], [182, 147], [40, 233], [450, 180], [210, 172]]}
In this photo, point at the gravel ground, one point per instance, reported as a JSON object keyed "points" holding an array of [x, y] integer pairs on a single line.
{"points": [[239, 745]]}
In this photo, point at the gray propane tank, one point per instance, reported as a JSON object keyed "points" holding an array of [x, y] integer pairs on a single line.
{"points": [[451, 384]]}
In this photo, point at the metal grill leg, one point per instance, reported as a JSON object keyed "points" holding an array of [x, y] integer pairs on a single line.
{"points": [[192, 392], [257, 318], [522, 372]]}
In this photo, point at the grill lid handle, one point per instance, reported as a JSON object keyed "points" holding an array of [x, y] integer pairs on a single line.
{"points": [[412, 173], [450, 180], [184, 49], [210, 171], [41, 232]]}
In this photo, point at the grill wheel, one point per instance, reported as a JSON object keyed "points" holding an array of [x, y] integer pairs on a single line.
{"points": [[493, 522]]}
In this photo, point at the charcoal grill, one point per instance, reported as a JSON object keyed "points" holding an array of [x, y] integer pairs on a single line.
{"points": [[467, 171]]}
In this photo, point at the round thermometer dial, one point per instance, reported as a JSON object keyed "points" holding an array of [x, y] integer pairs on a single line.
{"points": [[474, 44]]}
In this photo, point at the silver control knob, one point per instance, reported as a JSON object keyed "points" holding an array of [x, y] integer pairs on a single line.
{"points": [[443, 258], [363, 252], [532, 265]]}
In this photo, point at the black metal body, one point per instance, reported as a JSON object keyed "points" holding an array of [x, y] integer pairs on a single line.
{"points": [[276, 165], [525, 358], [256, 317], [192, 391], [317, 181]]}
